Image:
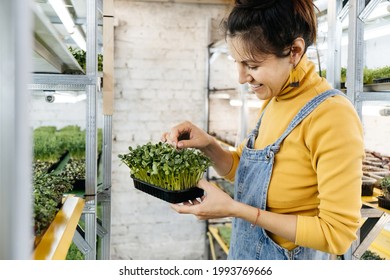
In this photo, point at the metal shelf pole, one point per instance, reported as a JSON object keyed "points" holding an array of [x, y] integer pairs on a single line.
{"points": [[355, 53], [91, 131], [334, 43], [108, 109]]}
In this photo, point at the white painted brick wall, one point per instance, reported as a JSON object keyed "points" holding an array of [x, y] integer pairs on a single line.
{"points": [[160, 64]]}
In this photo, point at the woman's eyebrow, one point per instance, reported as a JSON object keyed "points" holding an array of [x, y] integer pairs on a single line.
{"points": [[247, 61]]}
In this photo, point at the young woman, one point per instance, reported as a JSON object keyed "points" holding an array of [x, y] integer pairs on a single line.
{"points": [[298, 174]]}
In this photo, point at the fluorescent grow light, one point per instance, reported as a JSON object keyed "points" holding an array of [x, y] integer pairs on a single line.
{"points": [[67, 20]]}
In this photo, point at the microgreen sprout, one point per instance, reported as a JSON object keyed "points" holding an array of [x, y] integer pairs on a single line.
{"points": [[164, 166]]}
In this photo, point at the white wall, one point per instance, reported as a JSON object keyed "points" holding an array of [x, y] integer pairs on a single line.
{"points": [[160, 64], [377, 133], [60, 114], [374, 53]]}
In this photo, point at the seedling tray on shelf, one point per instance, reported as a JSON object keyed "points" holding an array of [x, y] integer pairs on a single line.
{"points": [[367, 190], [383, 202], [382, 80], [368, 186], [168, 195]]}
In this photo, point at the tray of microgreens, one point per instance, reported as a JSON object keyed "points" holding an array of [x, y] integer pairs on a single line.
{"points": [[165, 172]]}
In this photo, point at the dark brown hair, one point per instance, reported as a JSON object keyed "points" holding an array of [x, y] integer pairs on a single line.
{"points": [[271, 26]]}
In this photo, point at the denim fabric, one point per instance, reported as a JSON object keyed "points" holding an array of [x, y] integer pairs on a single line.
{"points": [[251, 186]]}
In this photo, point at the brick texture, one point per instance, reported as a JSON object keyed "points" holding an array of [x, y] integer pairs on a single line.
{"points": [[160, 73]]}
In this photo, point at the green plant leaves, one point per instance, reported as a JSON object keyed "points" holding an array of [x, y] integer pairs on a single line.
{"points": [[385, 185], [81, 57], [164, 166], [47, 196], [50, 143], [369, 75]]}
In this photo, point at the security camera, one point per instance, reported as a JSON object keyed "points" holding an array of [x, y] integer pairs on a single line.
{"points": [[49, 97]]}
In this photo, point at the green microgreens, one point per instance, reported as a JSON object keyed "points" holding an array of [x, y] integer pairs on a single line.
{"points": [[385, 185], [164, 166]]}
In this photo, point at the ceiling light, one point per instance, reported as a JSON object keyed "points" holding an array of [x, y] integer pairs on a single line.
{"points": [[67, 20], [63, 13], [66, 97]]}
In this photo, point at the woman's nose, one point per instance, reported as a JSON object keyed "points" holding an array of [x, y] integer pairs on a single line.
{"points": [[243, 75]]}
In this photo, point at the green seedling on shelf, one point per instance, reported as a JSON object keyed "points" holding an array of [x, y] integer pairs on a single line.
{"points": [[81, 57], [48, 189], [164, 166], [369, 75], [50, 143], [385, 185]]}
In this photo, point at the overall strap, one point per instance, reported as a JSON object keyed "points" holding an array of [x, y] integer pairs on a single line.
{"points": [[305, 111], [253, 134]]}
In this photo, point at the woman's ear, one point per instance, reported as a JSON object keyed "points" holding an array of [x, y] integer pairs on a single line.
{"points": [[297, 50]]}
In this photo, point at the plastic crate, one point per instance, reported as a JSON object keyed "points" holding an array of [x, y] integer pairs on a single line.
{"points": [[168, 195]]}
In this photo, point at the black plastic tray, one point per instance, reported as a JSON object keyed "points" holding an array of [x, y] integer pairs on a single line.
{"points": [[382, 80], [167, 195], [383, 202], [367, 190]]}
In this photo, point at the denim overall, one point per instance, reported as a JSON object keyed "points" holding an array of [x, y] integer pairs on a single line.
{"points": [[251, 186]]}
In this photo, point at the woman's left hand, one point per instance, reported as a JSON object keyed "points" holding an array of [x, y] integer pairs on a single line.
{"points": [[214, 204]]}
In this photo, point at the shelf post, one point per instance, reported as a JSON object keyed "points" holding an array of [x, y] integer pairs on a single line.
{"points": [[333, 67], [91, 130], [354, 81], [355, 54], [108, 109]]}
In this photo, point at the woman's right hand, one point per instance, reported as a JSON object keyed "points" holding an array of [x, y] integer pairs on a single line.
{"points": [[187, 135]]}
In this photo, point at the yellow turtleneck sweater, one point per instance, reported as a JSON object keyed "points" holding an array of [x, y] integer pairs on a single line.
{"points": [[317, 172]]}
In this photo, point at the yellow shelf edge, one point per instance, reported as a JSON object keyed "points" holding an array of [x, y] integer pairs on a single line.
{"points": [[214, 232], [381, 244], [55, 242], [372, 201]]}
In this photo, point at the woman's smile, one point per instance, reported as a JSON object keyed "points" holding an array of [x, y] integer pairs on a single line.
{"points": [[256, 87]]}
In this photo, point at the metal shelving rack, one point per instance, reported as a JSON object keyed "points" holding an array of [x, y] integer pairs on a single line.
{"points": [[15, 137], [358, 11], [108, 110], [90, 83], [215, 49]]}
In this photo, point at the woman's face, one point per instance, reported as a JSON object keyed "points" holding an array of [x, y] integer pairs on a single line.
{"points": [[266, 76]]}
